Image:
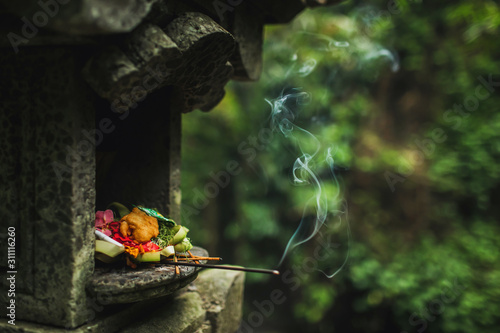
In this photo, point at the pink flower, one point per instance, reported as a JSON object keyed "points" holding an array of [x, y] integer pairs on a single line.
{"points": [[102, 218]]}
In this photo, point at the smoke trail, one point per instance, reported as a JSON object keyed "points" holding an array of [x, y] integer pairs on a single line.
{"points": [[324, 43], [339, 213], [384, 53], [336, 64], [305, 170]]}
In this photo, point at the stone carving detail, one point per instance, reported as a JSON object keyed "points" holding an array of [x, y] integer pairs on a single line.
{"points": [[191, 54], [247, 26]]}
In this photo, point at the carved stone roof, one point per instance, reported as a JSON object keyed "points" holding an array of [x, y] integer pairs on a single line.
{"points": [[194, 46]]}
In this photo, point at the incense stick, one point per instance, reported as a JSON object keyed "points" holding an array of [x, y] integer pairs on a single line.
{"points": [[196, 261], [102, 236], [196, 257], [232, 268]]}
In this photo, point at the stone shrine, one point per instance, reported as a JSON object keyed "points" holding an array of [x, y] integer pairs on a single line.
{"points": [[92, 94]]}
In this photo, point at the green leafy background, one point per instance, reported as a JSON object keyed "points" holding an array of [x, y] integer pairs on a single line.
{"points": [[424, 251]]}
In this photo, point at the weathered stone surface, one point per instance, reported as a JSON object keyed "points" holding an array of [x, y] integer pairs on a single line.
{"points": [[110, 319], [47, 167], [245, 22], [84, 17], [182, 314], [121, 284], [222, 294], [247, 25], [148, 45], [121, 75], [191, 54], [206, 49]]}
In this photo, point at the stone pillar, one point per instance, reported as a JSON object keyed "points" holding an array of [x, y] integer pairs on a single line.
{"points": [[47, 172]]}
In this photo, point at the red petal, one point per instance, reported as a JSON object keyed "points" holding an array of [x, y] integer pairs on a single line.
{"points": [[150, 246], [114, 226], [125, 240]]}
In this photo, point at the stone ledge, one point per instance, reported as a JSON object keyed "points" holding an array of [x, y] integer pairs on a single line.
{"points": [[118, 284]]}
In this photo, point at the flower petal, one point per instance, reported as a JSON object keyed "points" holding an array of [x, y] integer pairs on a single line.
{"points": [[108, 216], [99, 219]]}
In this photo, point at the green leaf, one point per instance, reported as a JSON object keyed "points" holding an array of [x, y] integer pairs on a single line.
{"points": [[154, 213]]}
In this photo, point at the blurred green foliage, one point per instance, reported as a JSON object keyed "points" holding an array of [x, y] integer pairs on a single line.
{"points": [[394, 92]]}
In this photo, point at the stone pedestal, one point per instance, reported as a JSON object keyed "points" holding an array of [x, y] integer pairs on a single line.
{"points": [[211, 304]]}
